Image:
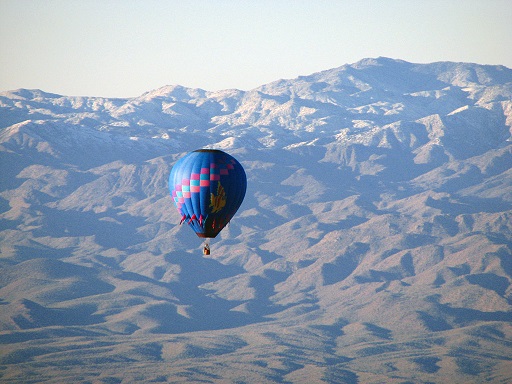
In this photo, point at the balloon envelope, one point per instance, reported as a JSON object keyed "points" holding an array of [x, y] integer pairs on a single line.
{"points": [[207, 187]]}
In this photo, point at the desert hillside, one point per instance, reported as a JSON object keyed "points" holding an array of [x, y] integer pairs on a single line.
{"points": [[374, 244]]}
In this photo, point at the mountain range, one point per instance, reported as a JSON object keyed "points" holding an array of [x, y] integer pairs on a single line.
{"points": [[374, 244]]}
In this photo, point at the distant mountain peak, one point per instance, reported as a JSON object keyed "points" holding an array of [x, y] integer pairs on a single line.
{"points": [[379, 61]]}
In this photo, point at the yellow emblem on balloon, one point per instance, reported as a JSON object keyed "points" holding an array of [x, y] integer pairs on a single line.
{"points": [[218, 202]]}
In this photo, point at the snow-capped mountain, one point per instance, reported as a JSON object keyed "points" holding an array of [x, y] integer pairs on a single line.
{"points": [[374, 243]]}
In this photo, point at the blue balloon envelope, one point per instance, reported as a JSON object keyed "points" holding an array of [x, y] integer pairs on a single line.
{"points": [[207, 187]]}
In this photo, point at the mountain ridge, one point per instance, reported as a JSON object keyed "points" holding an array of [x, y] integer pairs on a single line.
{"points": [[373, 245]]}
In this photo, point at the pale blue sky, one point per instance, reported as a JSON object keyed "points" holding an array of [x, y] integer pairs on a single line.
{"points": [[126, 47]]}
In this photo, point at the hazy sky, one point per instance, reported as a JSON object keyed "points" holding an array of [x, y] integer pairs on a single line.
{"points": [[126, 47]]}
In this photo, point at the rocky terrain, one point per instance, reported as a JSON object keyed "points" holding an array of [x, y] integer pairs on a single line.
{"points": [[374, 244]]}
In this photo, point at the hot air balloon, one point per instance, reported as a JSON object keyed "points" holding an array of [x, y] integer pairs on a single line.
{"points": [[207, 187]]}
